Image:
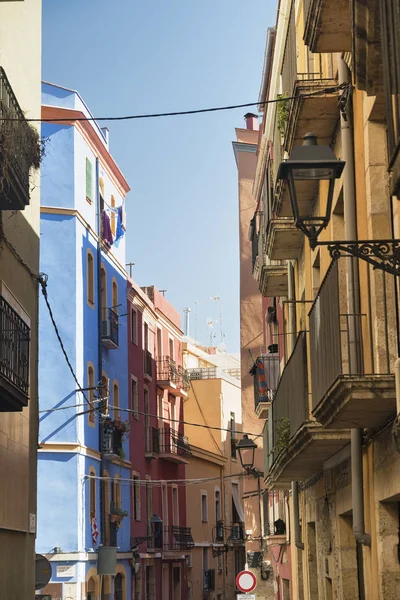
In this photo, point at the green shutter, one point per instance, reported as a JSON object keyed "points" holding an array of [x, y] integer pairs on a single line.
{"points": [[89, 180]]}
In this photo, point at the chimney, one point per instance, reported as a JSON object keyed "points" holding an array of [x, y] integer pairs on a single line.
{"points": [[251, 121], [106, 134]]}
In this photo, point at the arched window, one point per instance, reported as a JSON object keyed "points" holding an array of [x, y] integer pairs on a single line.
{"points": [[91, 394], [113, 216], [105, 391], [119, 587], [90, 278], [114, 295], [91, 589], [116, 399], [116, 492], [92, 493], [103, 282]]}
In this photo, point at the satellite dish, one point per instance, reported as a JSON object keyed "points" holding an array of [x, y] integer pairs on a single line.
{"points": [[43, 572]]}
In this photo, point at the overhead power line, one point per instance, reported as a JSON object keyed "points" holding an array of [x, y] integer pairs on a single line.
{"points": [[328, 90], [160, 482]]}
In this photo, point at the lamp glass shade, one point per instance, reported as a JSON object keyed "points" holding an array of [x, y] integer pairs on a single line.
{"points": [[246, 448]]}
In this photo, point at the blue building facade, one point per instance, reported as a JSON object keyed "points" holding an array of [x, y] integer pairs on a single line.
{"points": [[84, 463]]}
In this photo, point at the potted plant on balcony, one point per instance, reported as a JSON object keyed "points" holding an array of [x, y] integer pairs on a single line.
{"points": [[122, 426], [117, 514]]}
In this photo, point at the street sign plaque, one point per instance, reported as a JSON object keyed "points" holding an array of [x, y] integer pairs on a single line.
{"points": [[246, 597]]}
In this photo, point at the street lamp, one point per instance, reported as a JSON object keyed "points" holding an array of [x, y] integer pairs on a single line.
{"points": [[246, 448], [310, 163], [313, 163]]}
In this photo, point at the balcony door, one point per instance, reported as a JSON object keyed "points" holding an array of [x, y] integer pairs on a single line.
{"points": [[165, 582], [147, 421]]}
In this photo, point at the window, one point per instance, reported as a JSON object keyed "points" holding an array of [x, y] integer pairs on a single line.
{"points": [[159, 343], [101, 186], [118, 587], [134, 326], [175, 506], [116, 492], [232, 426], [105, 394], [134, 397], [149, 584], [204, 507], [90, 278], [171, 348], [103, 282], [113, 216], [107, 499], [147, 428], [149, 506], [217, 506], [146, 336], [89, 181], [114, 298], [91, 413], [116, 400], [92, 493], [136, 497], [205, 559], [160, 408], [164, 497], [91, 589]]}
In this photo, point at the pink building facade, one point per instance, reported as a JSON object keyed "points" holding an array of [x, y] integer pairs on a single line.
{"points": [[160, 540]]}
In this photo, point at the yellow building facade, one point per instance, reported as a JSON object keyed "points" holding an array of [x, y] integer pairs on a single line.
{"points": [[215, 504], [20, 80], [331, 432]]}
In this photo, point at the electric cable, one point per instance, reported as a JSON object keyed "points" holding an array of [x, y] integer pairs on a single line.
{"points": [[160, 482], [180, 112]]}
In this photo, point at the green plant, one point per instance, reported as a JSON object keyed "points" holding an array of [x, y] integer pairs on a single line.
{"points": [[116, 510], [282, 437], [283, 109], [121, 453]]}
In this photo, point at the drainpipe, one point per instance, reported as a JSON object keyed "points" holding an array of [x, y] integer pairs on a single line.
{"points": [[357, 488], [99, 347], [353, 297], [291, 307], [296, 516]]}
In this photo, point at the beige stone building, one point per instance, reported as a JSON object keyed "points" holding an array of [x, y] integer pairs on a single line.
{"points": [[20, 76], [331, 433], [214, 506]]}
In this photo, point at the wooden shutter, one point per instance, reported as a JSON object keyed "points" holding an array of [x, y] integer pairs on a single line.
{"points": [[89, 194]]}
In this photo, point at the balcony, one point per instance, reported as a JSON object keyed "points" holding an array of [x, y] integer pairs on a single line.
{"points": [[284, 241], [152, 442], [109, 330], [172, 377], [113, 432], [197, 373], [14, 359], [20, 150], [273, 278], [174, 446], [343, 394], [295, 446], [265, 373], [327, 25], [177, 539], [236, 534]]}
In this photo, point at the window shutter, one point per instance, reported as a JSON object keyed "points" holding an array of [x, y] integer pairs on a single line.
{"points": [[89, 180]]}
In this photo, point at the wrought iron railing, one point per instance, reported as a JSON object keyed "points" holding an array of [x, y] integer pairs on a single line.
{"points": [[112, 439], [289, 408], [167, 369], [177, 538], [14, 349], [172, 442], [265, 373], [212, 373], [236, 534], [19, 149]]}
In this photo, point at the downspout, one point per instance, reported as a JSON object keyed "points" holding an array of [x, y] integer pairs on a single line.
{"points": [[296, 516], [353, 298], [291, 307], [99, 349]]}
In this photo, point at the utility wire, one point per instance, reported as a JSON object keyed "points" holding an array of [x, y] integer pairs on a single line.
{"points": [[327, 90], [160, 482]]}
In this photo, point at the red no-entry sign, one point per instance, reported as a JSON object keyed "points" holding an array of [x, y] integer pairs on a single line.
{"points": [[246, 581]]}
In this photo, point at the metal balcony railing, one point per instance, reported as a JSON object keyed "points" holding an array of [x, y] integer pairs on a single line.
{"points": [[172, 442], [289, 408], [19, 149], [167, 370], [14, 358], [265, 372], [110, 328], [177, 538], [212, 373], [236, 535], [112, 439]]}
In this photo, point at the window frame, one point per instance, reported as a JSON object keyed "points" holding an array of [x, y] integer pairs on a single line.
{"points": [[89, 179], [204, 506], [92, 494], [134, 326], [136, 499], [91, 383], [90, 279]]}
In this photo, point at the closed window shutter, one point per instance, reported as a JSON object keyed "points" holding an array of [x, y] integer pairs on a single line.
{"points": [[89, 180]]}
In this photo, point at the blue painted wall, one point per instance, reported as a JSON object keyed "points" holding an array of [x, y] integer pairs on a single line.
{"points": [[63, 497]]}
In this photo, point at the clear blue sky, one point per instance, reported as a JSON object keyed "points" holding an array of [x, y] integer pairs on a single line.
{"points": [[136, 56]]}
